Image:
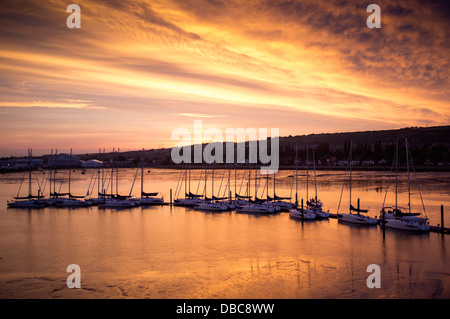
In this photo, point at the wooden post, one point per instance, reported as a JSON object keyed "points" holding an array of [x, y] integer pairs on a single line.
{"points": [[303, 212], [442, 218], [170, 198]]}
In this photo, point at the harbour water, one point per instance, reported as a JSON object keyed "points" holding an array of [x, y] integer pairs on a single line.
{"points": [[177, 252]]}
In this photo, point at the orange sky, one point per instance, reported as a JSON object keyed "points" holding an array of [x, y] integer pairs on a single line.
{"points": [[136, 70]]}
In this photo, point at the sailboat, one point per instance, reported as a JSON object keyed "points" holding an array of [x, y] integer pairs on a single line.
{"points": [[147, 198], [278, 202], [116, 201], [397, 218], [71, 200], [213, 203], [358, 217], [189, 199], [314, 203], [30, 201], [246, 205], [100, 188], [300, 212]]}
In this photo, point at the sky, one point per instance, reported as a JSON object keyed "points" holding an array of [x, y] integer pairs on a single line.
{"points": [[137, 70]]}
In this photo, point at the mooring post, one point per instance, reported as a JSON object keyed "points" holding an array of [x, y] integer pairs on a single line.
{"points": [[170, 203], [442, 218], [303, 212]]}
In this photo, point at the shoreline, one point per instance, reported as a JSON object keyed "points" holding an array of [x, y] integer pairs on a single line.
{"points": [[442, 169]]}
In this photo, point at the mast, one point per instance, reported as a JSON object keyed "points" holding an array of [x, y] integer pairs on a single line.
{"points": [[142, 172], [274, 181], [350, 179], [29, 172], [185, 180], [50, 166], [249, 179], [409, 182], [307, 173], [117, 173], [235, 181], [103, 175], [70, 169], [296, 178], [54, 173], [112, 173], [256, 180], [204, 189], [315, 179], [396, 176], [98, 174]]}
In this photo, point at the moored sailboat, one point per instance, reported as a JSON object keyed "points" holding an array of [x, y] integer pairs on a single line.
{"points": [[398, 218], [30, 201], [358, 217]]}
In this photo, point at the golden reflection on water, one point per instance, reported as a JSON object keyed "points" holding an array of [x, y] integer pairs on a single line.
{"points": [[174, 252]]}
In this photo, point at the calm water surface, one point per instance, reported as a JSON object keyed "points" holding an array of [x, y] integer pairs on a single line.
{"points": [[164, 252]]}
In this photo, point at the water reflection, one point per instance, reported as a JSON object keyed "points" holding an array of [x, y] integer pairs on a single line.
{"points": [[175, 252]]}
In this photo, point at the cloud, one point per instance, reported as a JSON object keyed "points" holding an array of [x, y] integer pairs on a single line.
{"points": [[157, 64], [74, 104]]}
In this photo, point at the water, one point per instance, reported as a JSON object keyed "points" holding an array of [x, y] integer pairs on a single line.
{"points": [[164, 252]]}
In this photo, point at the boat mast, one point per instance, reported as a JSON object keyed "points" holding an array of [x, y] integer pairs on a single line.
{"points": [[98, 174], [112, 173], [256, 180], [315, 179], [235, 181], [307, 173], [212, 182], [117, 173], [274, 182], [296, 178], [409, 183], [70, 169], [29, 172], [54, 172], [142, 172], [50, 166], [350, 178], [185, 180], [396, 176]]}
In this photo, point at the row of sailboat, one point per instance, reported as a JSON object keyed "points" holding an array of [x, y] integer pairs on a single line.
{"points": [[245, 202], [222, 200], [106, 198], [394, 217]]}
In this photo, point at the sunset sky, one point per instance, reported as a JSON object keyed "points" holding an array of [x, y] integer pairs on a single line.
{"points": [[136, 70]]}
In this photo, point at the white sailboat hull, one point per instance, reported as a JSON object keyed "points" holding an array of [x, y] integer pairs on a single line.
{"points": [[117, 204], [357, 219], [256, 209], [150, 201], [26, 204], [211, 207], [305, 214], [67, 202], [406, 225], [188, 202]]}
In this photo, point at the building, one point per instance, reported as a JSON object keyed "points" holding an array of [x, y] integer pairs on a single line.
{"points": [[20, 163], [64, 160], [92, 164]]}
